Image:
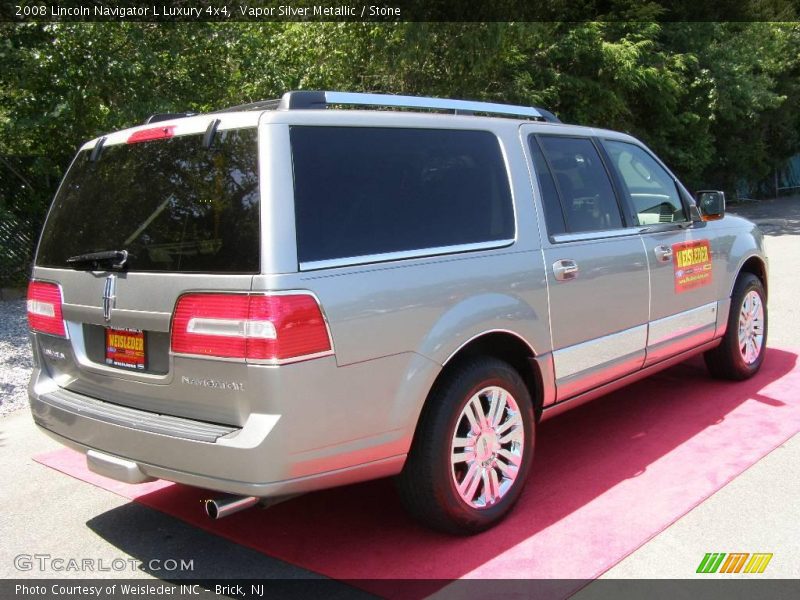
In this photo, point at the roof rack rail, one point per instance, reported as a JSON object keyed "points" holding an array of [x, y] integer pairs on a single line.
{"points": [[260, 105], [167, 116], [314, 100]]}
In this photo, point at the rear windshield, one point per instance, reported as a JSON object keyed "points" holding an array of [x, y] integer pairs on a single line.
{"points": [[172, 204], [366, 191]]}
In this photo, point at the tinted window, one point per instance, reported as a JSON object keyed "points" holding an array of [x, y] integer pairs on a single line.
{"points": [[173, 204], [651, 189], [363, 191], [585, 189], [553, 215]]}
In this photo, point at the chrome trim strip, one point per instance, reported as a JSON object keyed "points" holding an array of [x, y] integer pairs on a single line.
{"points": [[260, 362], [594, 235], [488, 331], [406, 254], [603, 350], [360, 99], [683, 323], [607, 388]]}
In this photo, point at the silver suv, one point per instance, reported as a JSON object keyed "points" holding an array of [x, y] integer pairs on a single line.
{"points": [[279, 298]]}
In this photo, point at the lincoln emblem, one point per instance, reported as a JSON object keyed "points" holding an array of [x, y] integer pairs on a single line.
{"points": [[108, 296]]}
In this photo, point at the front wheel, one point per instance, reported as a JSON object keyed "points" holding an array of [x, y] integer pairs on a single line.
{"points": [[472, 450], [741, 353]]}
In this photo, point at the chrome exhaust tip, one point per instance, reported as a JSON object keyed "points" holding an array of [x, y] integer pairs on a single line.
{"points": [[217, 508]]}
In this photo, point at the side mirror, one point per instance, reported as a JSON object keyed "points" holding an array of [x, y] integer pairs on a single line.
{"points": [[711, 204]]}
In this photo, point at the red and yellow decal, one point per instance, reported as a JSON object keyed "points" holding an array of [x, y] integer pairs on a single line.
{"points": [[125, 348], [692, 264]]}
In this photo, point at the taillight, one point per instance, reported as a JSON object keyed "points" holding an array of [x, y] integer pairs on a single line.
{"points": [[44, 308], [256, 327], [155, 133]]}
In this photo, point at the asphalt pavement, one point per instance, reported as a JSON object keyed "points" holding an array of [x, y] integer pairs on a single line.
{"points": [[46, 513]]}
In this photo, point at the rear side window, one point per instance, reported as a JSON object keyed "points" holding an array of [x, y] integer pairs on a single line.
{"points": [[172, 204], [363, 191], [586, 194]]}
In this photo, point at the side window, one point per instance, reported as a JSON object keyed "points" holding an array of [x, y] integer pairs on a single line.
{"points": [[363, 191], [553, 215], [587, 197], [651, 190]]}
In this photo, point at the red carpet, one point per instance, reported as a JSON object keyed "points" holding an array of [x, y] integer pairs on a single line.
{"points": [[607, 477]]}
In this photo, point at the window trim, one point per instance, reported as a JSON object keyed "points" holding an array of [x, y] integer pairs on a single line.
{"points": [[624, 186], [85, 151], [584, 236], [534, 138], [367, 259], [427, 252], [570, 236]]}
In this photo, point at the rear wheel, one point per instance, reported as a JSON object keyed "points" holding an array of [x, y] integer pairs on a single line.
{"points": [[473, 448], [741, 353]]}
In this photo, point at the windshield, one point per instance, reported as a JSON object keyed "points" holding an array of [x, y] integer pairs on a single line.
{"points": [[172, 204]]}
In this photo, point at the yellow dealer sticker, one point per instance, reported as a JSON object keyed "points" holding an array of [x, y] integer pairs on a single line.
{"points": [[692, 264], [125, 348]]}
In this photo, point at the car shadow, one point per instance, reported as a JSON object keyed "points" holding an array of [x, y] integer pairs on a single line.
{"points": [[579, 457]]}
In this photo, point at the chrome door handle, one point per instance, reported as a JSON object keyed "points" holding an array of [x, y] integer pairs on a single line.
{"points": [[565, 269], [663, 253]]}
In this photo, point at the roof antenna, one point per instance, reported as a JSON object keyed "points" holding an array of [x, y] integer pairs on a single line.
{"points": [[97, 150], [211, 132]]}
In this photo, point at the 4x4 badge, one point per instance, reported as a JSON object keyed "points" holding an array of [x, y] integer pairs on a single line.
{"points": [[108, 296]]}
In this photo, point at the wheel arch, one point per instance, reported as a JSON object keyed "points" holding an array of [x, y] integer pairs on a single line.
{"points": [[755, 265], [507, 346]]}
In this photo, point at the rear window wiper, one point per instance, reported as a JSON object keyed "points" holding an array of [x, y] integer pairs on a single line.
{"points": [[96, 261]]}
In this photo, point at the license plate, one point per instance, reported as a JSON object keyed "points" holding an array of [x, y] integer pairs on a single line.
{"points": [[125, 348]]}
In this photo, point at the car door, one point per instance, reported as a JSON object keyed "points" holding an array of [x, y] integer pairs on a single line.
{"points": [[683, 307], [596, 266]]}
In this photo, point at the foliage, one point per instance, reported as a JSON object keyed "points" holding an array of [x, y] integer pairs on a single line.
{"points": [[720, 102]]}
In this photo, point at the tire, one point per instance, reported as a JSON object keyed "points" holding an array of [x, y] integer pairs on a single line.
{"points": [[731, 359], [428, 483]]}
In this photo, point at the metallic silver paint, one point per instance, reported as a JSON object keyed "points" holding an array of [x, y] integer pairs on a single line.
{"points": [[114, 467], [351, 416]]}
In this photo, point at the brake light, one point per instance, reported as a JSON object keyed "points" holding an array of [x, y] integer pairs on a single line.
{"points": [[44, 308], [155, 133], [256, 327]]}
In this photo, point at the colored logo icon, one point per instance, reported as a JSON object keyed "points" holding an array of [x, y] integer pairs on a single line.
{"points": [[735, 562]]}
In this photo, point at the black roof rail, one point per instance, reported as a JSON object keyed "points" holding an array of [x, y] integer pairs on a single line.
{"points": [[167, 116]]}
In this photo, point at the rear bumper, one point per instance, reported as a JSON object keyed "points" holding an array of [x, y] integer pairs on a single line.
{"points": [[133, 445]]}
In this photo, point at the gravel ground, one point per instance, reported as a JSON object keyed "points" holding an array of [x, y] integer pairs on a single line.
{"points": [[15, 356]]}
